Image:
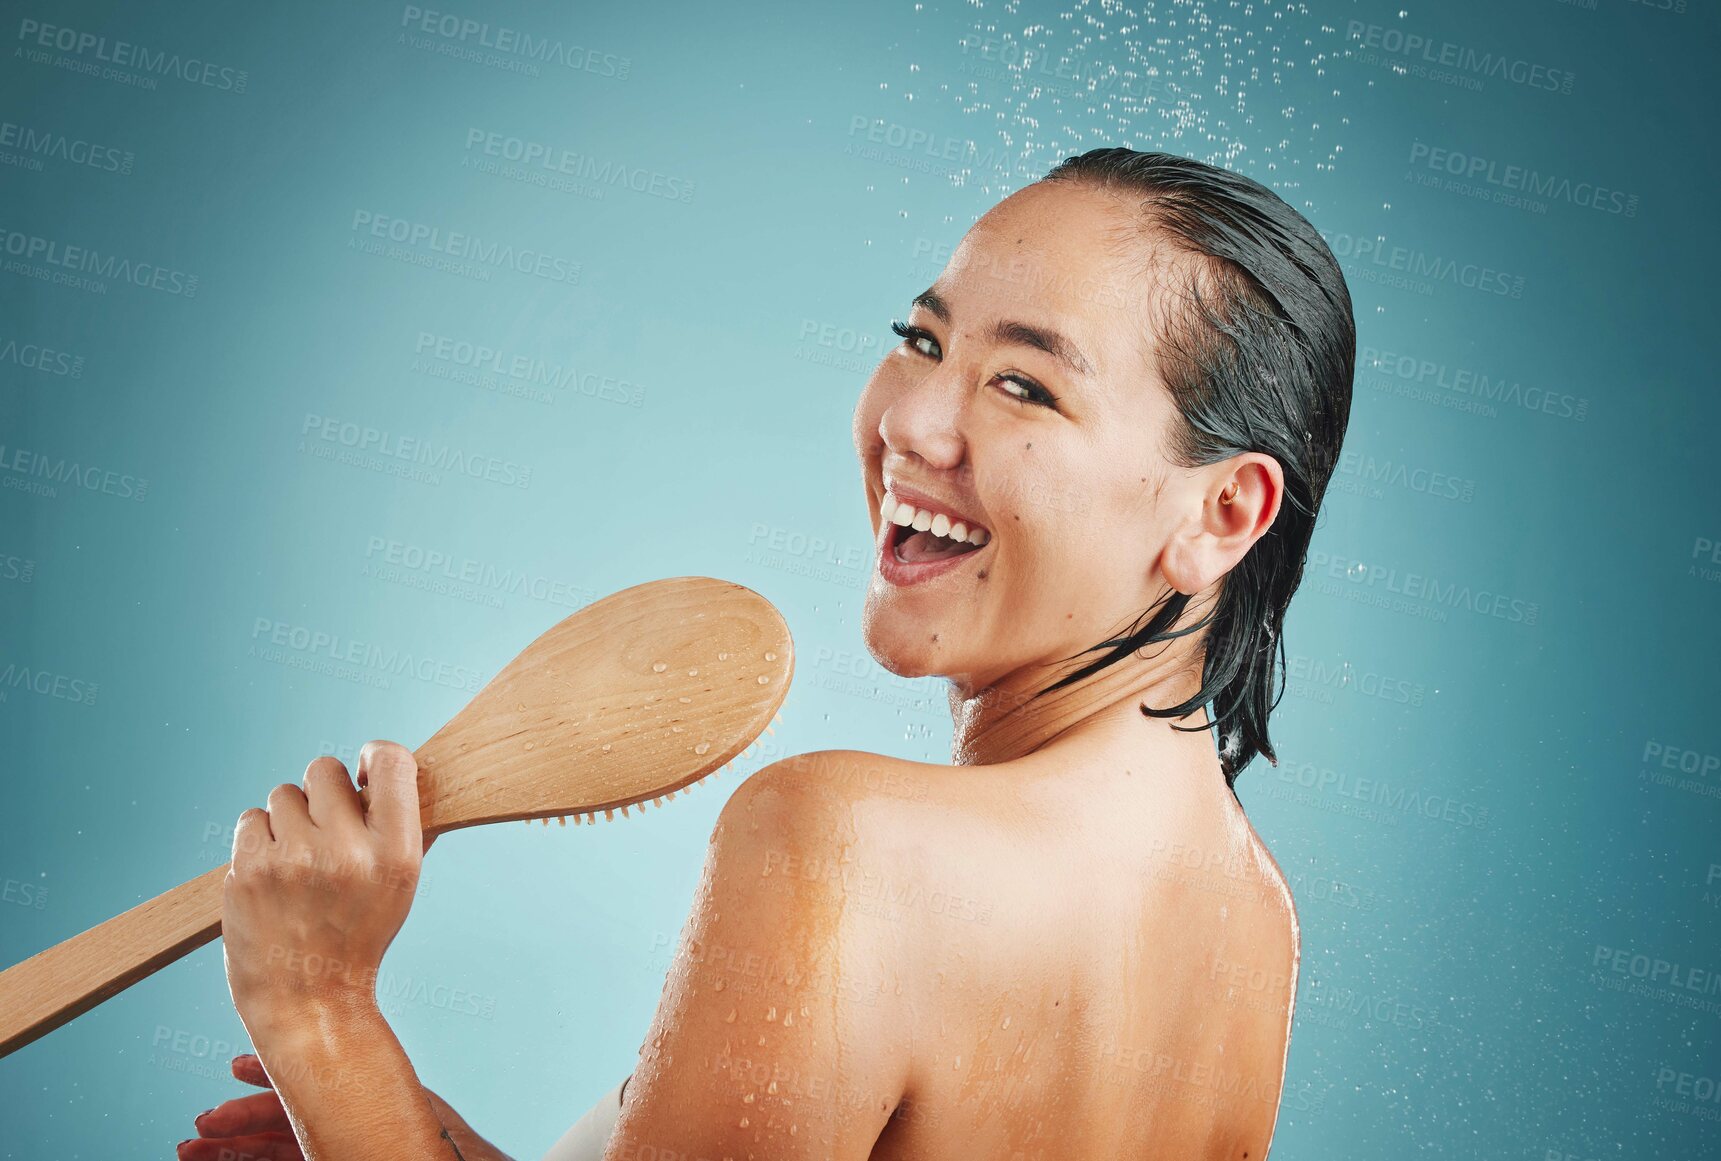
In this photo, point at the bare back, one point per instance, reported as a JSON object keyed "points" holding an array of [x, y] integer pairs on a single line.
{"points": [[1094, 978]]}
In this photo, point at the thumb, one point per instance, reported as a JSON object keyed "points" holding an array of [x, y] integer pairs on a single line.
{"points": [[389, 773]]}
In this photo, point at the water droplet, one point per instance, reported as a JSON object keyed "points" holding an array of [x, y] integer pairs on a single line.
{"points": [[764, 679], [531, 745], [770, 656], [730, 1018], [659, 666], [693, 673], [702, 747]]}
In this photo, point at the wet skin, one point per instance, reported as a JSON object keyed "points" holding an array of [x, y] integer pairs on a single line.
{"points": [[1069, 942]]}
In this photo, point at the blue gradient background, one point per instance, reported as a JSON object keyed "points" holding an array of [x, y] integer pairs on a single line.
{"points": [[1471, 807]]}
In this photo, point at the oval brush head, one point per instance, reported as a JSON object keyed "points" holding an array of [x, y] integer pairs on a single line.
{"points": [[629, 699]]}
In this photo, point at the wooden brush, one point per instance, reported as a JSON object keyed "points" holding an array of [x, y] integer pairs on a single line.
{"points": [[626, 701]]}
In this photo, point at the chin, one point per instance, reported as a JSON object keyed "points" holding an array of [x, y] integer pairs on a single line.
{"points": [[900, 644]]}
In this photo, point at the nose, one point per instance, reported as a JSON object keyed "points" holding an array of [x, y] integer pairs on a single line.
{"points": [[925, 419]]}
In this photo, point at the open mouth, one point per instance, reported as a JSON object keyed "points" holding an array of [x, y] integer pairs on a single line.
{"points": [[916, 547], [915, 535]]}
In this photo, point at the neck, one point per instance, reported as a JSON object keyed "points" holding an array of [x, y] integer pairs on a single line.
{"points": [[1004, 720]]}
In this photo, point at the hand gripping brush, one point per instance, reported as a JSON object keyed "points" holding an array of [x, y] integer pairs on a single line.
{"points": [[627, 701]]}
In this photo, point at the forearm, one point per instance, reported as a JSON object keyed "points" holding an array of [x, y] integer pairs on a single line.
{"points": [[472, 1147], [350, 1091]]}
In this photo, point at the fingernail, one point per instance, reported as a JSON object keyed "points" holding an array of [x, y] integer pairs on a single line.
{"points": [[199, 1117]]}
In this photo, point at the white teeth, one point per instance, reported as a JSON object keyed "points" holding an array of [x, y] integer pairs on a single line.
{"points": [[921, 520]]}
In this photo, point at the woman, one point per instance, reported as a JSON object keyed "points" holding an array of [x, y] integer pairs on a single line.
{"points": [[1126, 391]]}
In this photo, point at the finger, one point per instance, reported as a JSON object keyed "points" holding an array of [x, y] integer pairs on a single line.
{"points": [[390, 772], [331, 795], [261, 1112], [248, 1068], [289, 812], [252, 833], [254, 1147]]}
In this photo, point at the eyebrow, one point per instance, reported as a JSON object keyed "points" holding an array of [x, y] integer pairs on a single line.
{"points": [[1019, 334]]}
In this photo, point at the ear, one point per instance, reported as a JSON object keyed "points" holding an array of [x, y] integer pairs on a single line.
{"points": [[1239, 500]]}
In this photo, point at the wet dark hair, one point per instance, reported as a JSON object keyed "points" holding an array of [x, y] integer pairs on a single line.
{"points": [[1257, 345]]}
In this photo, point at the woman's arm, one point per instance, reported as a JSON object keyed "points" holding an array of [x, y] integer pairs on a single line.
{"points": [[782, 1029], [350, 1091], [318, 889], [256, 1127]]}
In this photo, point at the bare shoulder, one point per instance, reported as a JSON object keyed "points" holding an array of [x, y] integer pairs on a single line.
{"points": [[778, 1033]]}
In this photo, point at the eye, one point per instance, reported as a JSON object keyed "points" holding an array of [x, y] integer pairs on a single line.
{"points": [[913, 336], [1018, 386], [1032, 392]]}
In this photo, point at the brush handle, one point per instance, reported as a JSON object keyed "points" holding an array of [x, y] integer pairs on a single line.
{"points": [[70, 978]]}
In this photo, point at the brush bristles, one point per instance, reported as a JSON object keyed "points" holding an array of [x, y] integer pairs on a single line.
{"points": [[590, 818]]}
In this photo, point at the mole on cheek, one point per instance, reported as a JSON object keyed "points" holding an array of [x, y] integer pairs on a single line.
{"points": [[981, 574]]}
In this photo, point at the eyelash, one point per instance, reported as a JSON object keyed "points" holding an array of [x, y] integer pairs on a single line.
{"points": [[910, 333]]}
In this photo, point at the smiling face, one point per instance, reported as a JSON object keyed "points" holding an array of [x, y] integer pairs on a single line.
{"points": [[1024, 399]]}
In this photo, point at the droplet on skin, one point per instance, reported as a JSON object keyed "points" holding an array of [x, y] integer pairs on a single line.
{"points": [[730, 1018], [702, 747], [659, 666], [764, 679], [770, 656]]}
